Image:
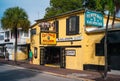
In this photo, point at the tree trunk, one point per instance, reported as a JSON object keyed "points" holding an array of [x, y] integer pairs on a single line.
{"points": [[15, 51], [114, 13], [105, 48]]}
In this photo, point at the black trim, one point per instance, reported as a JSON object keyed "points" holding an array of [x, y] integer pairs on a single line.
{"points": [[57, 28], [62, 46], [94, 67]]}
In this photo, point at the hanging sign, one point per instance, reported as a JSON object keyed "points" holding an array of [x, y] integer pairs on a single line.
{"points": [[48, 38], [93, 18]]}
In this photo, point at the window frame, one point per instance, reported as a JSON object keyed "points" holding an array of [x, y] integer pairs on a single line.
{"points": [[74, 23], [33, 31]]}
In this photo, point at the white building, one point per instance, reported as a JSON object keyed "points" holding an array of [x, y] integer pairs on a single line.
{"points": [[7, 43]]}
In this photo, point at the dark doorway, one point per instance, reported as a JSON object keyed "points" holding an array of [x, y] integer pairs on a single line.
{"points": [[113, 49], [52, 56], [114, 56]]}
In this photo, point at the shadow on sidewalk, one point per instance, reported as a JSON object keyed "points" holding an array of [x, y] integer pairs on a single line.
{"points": [[92, 75]]}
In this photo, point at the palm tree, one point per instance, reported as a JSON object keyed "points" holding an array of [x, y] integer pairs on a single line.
{"points": [[13, 19]]}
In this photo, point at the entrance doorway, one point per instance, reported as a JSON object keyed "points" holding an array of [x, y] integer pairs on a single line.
{"points": [[54, 56]]}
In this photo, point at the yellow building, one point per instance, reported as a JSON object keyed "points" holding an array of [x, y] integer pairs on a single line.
{"points": [[74, 40]]}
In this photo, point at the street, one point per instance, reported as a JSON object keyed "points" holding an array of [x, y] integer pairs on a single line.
{"points": [[15, 73]]}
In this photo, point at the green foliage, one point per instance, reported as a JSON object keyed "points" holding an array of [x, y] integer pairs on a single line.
{"points": [[62, 6], [15, 18], [109, 5]]}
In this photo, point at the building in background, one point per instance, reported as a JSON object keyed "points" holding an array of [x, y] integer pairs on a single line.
{"points": [[7, 44], [74, 40]]}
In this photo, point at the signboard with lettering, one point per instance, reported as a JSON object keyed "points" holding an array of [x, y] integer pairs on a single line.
{"points": [[76, 38], [48, 38], [70, 52], [93, 18]]}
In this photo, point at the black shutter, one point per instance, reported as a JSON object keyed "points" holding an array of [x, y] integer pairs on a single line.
{"points": [[77, 24], [57, 28], [67, 26]]}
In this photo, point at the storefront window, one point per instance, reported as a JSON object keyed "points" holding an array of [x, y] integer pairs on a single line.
{"points": [[72, 25]]}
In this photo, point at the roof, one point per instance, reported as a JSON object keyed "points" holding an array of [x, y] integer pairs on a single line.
{"points": [[63, 14]]}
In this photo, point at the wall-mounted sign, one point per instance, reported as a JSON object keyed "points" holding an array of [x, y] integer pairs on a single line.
{"points": [[93, 18], [76, 38], [48, 38], [46, 24], [70, 52]]}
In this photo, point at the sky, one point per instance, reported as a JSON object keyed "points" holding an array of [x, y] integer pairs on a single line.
{"points": [[34, 8]]}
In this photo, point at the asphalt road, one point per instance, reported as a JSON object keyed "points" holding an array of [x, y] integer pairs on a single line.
{"points": [[13, 73]]}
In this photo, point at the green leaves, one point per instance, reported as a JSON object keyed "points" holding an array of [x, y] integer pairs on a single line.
{"points": [[15, 18], [62, 6]]}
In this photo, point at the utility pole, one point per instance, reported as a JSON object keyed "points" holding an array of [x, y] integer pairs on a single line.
{"points": [[105, 47]]}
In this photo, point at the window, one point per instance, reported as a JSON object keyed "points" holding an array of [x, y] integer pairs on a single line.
{"points": [[33, 31], [72, 25], [12, 35], [99, 49], [35, 52], [1, 36], [26, 34], [7, 34]]}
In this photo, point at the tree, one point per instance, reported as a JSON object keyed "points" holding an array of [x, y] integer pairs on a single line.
{"points": [[62, 6], [13, 19], [112, 6]]}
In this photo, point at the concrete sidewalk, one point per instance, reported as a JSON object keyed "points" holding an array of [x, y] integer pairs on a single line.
{"points": [[77, 74]]}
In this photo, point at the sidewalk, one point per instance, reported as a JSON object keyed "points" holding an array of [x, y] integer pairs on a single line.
{"points": [[81, 75]]}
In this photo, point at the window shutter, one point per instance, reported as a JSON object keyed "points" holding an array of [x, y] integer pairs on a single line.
{"points": [[77, 24], [67, 26], [57, 28]]}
